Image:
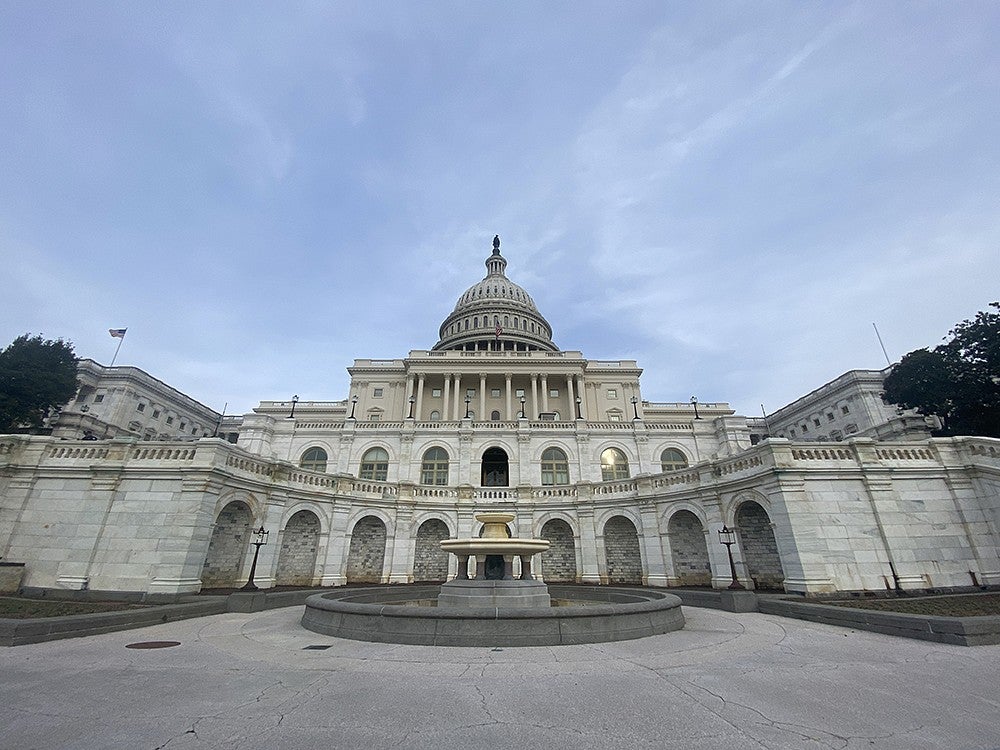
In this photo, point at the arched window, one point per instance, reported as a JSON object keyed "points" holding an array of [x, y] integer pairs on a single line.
{"points": [[313, 459], [614, 465], [672, 459], [375, 464], [555, 467], [434, 469], [435, 416], [495, 415], [475, 322]]}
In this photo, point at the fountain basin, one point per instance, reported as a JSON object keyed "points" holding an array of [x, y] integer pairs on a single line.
{"points": [[594, 615]]}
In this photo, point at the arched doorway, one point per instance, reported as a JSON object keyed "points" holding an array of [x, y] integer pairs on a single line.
{"points": [[366, 555], [760, 550], [688, 550], [430, 562], [559, 560], [228, 546], [297, 556], [621, 550], [496, 468]]}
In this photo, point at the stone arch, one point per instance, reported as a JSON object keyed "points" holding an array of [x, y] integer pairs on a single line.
{"points": [[228, 546], [757, 542], [366, 554], [299, 547], [621, 551], [689, 550], [559, 560], [430, 562], [495, 470]]}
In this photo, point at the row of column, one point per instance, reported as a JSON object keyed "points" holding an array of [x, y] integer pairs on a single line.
{"points": [[453, 406]]}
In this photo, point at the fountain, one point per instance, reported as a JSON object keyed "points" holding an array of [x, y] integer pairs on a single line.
{"points": [[494, 608]]}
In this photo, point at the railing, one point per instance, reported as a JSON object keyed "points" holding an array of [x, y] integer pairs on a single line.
{"points": [[77, 451], [379, 426], [144, 453], [904, 454], [823, 454], [435, 492], [614, 488], [567, 491], [742, 464], [682, 477], [371, 486], [248, 465], [685, 427], [319, 425], [494, 493], [313, 479]]}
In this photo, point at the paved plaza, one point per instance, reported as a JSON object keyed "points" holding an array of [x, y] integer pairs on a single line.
{"points": [[726, 681]]}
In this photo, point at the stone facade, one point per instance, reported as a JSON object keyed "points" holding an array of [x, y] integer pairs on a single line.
{"points": [[559, 560], [688, 550]]}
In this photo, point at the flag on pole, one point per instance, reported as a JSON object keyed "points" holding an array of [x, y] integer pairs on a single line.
{"points": [[499, 331], [117, 333]]}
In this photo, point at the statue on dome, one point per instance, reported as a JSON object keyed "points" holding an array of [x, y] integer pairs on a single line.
{"points": [[496, 244]]}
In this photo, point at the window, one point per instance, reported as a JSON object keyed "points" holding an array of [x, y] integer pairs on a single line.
{"points": [[375, 464], [140, 407], [614, 465], [495, 393], [836, 435], [435, 393], [553, 393], [470, 392], [791, 432], [851, 428], [314, 459], [194, 430], [475, 322], [672, 459], [375, 416], [98, 398], [170, 420], [377, 392], [435, 416], [614, 416], [816, 421], [495, 416], [555, 467], [829, 416], [156, 413], [519, 392], [805, 428], [845, 409], [134, 426], [612, 393], [183, 425], [434, 468]]}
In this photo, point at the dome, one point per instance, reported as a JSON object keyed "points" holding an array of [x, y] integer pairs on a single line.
{"points": [[495, 303]]}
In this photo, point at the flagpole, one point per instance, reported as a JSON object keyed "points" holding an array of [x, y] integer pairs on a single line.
{"points": [[884, 352], [121, 340]]}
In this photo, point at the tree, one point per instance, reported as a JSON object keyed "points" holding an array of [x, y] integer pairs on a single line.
{"points": [[958, 380], [36, 375]]}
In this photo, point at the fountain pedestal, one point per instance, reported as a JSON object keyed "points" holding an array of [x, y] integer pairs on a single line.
{"points": [[494, 584]]}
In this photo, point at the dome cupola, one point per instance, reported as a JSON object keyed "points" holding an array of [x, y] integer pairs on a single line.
{"points": [[495, 315]]}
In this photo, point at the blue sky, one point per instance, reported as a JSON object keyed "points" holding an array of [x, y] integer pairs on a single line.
{"points": [[730, 193]]}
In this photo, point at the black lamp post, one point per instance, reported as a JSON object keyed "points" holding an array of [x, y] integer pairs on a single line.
{"points": [[635, 408], [694, 403], [728, 537], [413, 400], [522, 408], [354, 402], [578, 402], [467, 402], [258, 542], [295, 400]]}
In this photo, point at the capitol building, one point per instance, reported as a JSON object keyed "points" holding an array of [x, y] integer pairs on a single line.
{"points": [[837, 492]]}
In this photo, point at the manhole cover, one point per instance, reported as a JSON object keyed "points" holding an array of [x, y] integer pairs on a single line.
{"points": [[153, 644], [317, 648]]}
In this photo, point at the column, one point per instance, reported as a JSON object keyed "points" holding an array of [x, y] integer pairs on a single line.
{"points": [[570, 397], [420, 397], [459, 398], [534, 398], [507, 377], [407, 395], [482, 397], [545, 392], [445, 398]]}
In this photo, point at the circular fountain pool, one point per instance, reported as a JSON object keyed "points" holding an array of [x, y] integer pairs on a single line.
{"points": [[584, 614]]}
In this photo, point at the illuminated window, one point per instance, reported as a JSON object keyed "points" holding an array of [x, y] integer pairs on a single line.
{"points": [[434, 468], [555, 467], [614, 465]]}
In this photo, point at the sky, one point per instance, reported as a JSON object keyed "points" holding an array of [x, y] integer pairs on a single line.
{"points": [[729, 193]]}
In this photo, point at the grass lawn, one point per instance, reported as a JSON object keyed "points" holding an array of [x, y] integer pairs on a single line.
{"points": [[961, 605], [19, 609]]}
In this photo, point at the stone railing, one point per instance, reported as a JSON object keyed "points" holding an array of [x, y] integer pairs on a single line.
{"points": [[87, 450], [615, 488], [494, 493], [984, 448], [313, 479], [681, 426], [681, 476], [248, 465], [560, 491], [904, 454], [422, 491], [826, 453], [369, 487], [740, 464], [378, 425], [319, 425]]}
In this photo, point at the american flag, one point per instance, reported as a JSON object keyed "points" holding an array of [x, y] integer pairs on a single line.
{"points": [[499, 331], [117, 333]]}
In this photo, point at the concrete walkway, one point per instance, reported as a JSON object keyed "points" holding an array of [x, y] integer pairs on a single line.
{"points": [[727, 681]]}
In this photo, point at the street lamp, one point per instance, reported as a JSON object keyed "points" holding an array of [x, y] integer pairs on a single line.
{"points": [[728, 537], [635, 408], [694, 403], [295, 400], [413, 400], [522, 408], [354, 402], [467, 402], [258, 542], [578, 402]]}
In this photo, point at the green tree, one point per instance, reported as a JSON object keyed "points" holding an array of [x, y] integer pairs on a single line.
{"points": [[959, 380], [36, 375]]}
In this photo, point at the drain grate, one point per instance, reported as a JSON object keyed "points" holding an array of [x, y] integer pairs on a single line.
{"points": [[317, 648], [153, 644]]}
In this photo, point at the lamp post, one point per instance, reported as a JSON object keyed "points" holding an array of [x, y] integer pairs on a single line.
{"points": [[635, 408], [694, 403], [260, 541], [413, 400], [467, 402], [354, 402], [522, 408], [728, 537], [295, 400], [578, 402]]}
